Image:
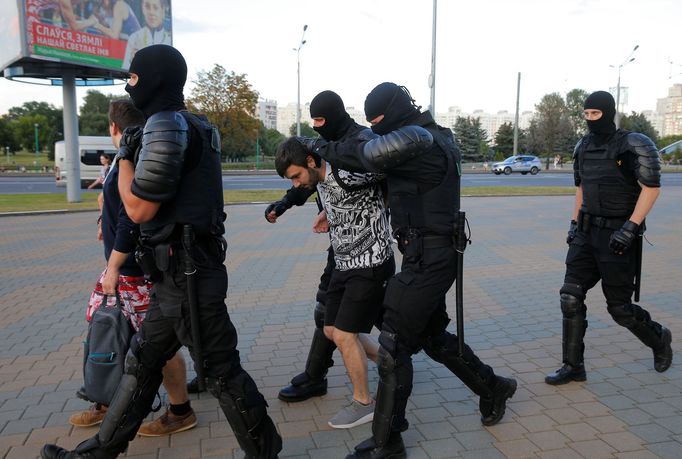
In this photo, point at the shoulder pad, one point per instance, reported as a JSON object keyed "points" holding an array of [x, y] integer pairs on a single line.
{"points": [[641, 144], [165, 121], [647, 160], [158, 170]]}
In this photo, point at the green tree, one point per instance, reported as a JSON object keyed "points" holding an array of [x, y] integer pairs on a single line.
{"points": [[269, 140], [229, 102], [94, 118], [637, 122], [504, 139], [7, 136], [552, 129], [50, 127], [471, 138], [667, 140], [575, 101], [306, 130]]}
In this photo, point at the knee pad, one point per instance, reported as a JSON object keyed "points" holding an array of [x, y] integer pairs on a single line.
{"points": [[386, 361], [320, 309], [571, 299]]}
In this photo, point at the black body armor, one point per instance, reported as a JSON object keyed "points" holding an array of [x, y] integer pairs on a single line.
{"points": [[199, 197]]}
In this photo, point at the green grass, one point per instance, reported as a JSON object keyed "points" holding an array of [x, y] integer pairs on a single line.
{"points": [[518, 191], [57, 201], [24, 158]]}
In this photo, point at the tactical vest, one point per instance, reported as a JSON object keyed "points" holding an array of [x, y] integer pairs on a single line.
{"points": [[199, 198], [433, 211], [610, 189]]}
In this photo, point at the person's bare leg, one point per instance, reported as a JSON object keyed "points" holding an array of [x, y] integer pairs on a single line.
{"points": [[370, 345], [174, 379], [355, 360]]}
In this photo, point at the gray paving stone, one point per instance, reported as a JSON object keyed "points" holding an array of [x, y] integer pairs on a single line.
{"points": [[273, 276]]}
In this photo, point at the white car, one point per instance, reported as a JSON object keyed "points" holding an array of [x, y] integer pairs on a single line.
{"points": [[518, 163]]}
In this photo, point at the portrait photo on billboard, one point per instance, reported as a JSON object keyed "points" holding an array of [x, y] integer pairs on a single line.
{"points": [[96, 33]]}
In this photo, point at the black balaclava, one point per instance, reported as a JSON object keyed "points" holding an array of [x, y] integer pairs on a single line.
{"points": [[601, 100], [328, 105], [392, 101], [162, 73]]}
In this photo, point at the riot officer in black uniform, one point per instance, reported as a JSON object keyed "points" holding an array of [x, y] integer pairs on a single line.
{"points": [[175, 193], [422, 191], [618, 175], [333, 123]]}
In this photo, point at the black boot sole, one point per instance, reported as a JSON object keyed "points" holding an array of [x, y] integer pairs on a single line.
{"points": [[559, 382], [318, 392]]}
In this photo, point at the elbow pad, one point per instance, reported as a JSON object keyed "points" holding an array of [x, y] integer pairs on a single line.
{"points": [[162, 156], [396, 147], [647, 162]]}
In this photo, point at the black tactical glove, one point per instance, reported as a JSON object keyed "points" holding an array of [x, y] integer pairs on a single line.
{"points": [[130, 143], [279, 207], [571, 231], [621, 240]]}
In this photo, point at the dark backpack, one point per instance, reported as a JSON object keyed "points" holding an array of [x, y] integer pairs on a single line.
{"points": [[106, 346]]}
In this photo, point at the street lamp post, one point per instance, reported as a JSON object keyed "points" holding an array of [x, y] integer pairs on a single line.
{"points": [[432, 76], [37, 146], [625, 62], [298, 77]]}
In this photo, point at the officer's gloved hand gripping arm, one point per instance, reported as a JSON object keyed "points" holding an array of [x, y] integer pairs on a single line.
{"points": [[372, 153], [647, 168], [156, 176]]}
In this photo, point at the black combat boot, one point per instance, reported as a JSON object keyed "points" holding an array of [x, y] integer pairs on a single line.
{"points": [[663, 357], [89, 449], [492, 410], [493, 390], [56, 452], [572, 345], [649, 332], [368, 449], [566, 374], [312, 382], [303, 387]]}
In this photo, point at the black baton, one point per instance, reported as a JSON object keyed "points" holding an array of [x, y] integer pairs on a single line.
{"points": [[638, 260], [460, 245], [190, 271]]}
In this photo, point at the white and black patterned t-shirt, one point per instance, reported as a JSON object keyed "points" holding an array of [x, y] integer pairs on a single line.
{"points": [[358, 224]]}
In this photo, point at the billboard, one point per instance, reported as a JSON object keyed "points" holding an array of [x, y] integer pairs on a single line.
{"points": [[95, 33], [10, 33]]}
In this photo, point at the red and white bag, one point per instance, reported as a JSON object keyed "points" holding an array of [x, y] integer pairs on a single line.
{"points": [[134, 292]]}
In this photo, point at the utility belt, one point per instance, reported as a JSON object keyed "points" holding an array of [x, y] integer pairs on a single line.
{"points": [[586, 221], [156, 260], [411, 240]]}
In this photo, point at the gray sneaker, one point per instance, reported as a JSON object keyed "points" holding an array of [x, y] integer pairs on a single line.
{"points": [[353, 415]]}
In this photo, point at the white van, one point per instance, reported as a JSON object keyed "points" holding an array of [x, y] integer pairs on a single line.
{"points": [[90, 148]]}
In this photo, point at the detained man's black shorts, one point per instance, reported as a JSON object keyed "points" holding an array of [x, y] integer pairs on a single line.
{"points": [[355, 297]]}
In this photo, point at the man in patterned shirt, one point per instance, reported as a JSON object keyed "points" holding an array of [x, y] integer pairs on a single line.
{"points": [[355, 212]]}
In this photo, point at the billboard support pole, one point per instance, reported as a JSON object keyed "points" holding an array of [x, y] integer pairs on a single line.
{"points": [[73, 182]]}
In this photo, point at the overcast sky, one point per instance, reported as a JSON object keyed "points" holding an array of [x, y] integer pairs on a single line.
{"points": [[352, 45]]}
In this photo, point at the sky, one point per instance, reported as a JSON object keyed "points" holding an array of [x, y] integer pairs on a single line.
{"points": [[353, 45]]}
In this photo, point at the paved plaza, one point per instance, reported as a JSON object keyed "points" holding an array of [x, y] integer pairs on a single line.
{"points": [[513, 271]]}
